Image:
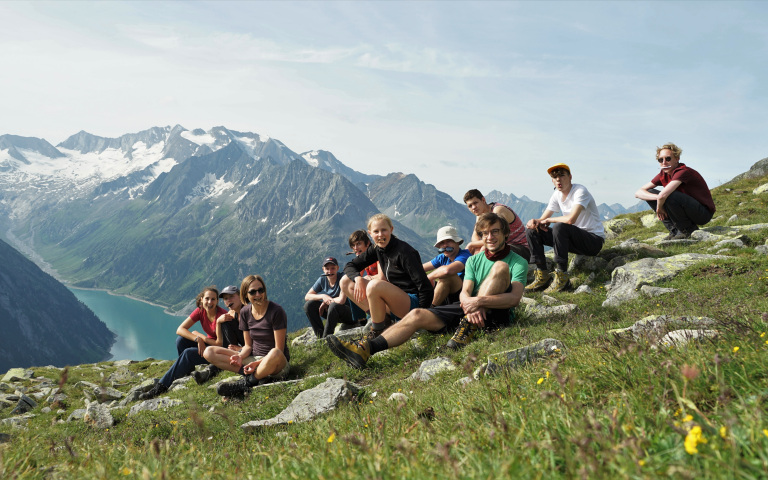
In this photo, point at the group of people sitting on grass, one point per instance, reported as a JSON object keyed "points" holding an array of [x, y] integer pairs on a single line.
{"points": [[459, 290]]}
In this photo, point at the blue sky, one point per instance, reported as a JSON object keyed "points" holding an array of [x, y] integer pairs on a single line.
{"points": [[463, 94]]}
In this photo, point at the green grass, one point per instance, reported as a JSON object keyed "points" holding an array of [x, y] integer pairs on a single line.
{"points": [[605, 410]]}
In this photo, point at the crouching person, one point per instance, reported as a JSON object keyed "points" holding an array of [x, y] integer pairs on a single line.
{"points": [[493, 284], [326, 300], [265, 356]]}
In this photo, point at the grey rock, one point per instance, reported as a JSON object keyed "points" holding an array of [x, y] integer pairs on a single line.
{"points": [[722, 251], [706, 236], [732, 218], [762, 249], [5, 438], [5, 403], [649, 220], [5, 388], [398, 397], [653, 328], [585, 263], [98, 416], [729, 243], [25, 404], [121, 376], [46, 410], [76, 415], [56, 398], [17, 375], [463, 381], [101, 393], [547, 348], [550, 300], [615, 226], [761, 189], [751, 228], [306, 339], [479, 371], [310, 403], [627, 280], [650, 291], [133, 393], [430, 368], [616, 262], [583, 289], [124, 363], [180, 383], [543, 312], [160, 403], [20, 421], [681, 338]]}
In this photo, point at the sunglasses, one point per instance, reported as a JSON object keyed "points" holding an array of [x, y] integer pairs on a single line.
{"points": [[445, 249], [257, 291], [665, 159]]}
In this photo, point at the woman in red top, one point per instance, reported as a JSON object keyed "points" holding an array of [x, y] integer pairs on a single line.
{"points": [[190, 344]]}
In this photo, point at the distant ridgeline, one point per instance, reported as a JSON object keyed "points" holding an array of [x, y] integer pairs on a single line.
{"points": [[42, 321], [161, 213]]}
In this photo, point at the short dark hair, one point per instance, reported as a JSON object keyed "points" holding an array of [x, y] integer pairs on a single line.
{"points": [[359, 236], [487, 219], [474, 193]]}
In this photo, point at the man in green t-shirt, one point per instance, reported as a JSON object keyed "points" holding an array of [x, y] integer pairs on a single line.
{"points": [[494, 280]]}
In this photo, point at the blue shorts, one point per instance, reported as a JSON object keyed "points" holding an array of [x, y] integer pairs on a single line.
{"points": [[414, 304]]}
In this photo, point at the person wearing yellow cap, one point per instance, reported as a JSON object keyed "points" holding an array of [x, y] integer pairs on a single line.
{"points": [[577, 229]]}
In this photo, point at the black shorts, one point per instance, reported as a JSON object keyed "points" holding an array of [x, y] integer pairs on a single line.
{"points": [[452, 314]]}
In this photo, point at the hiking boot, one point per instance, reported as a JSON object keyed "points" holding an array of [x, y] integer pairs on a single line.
{"points": [[371, 333], [464, 334], [202, 376], [158, 389], [540, 280], [354, 353], [559, 282], [671, 235], [237, 388]]}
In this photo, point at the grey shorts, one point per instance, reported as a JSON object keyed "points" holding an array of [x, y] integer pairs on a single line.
{"points": [[282, 374]]}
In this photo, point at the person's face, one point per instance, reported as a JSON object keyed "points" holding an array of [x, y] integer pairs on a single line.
{"points": [[232, 301], [561, 179], [493, 238], [478, 206], [330, 269], [256, 292], [381, 233], [210, 300], [667, 160], [448, 243], [359, 247]]}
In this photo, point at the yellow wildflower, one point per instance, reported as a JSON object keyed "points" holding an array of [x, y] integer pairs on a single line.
{"points": [[547, 373], [693, 439], [735, 349], [762, 335], [174, 422], [332, 438], [540, 381], [125, 471], [641, 463], [723, 432], [765, 432], [687, 418]]}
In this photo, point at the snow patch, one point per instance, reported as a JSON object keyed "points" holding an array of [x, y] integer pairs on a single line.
{"points": [[204, 139], [241, 197], [310, 158], [284, 227], [308, 213], [254, 181]]}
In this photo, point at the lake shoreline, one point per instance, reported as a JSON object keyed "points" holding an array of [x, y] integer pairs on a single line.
{"points": [[165, 308]]}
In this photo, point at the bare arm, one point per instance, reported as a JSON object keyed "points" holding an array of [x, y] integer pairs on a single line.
{"points": [[540, 222], [184, 330], [644, 194], [505, 213], [320, 297], [443, 271]]}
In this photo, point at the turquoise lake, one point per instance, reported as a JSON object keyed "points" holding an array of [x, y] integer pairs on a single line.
{"points": [[142, 330]]}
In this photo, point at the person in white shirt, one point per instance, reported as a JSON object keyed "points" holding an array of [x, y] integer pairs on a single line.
{"points": [[578, 229]]}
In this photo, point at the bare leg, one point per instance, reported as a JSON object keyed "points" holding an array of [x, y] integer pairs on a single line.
{"points": [[445, 286], [272, 363], [348, 287], [382, 294], [497, 281], [219, 356], [415, 320]]}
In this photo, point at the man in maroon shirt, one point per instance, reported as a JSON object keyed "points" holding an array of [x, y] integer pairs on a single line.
{"points": [[685, 201]]}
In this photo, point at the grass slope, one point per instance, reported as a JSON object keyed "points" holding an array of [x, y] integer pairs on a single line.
{"points": [[606, 410]]}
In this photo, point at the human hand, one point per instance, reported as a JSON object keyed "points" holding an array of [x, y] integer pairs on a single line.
{"points": [[361, 284], [251, 367], [477, 318], [236, 361], [235, 348], [200, 345]]}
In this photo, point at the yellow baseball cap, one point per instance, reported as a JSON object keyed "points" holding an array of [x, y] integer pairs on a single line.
{"points": [[558, 165]]}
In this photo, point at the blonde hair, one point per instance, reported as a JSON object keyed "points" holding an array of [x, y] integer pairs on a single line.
{"points": [[380, 217], [676, 151]]}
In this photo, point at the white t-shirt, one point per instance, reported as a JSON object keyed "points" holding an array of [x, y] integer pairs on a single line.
{"points": [[588, 219]]}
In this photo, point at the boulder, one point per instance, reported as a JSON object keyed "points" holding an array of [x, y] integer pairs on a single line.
{"points": [[24, 405], [615, 226], [585, 263], [762, 249], [649, 220], [121, 376], [76, 415], [101, 393], [124, 363], [681, 338], [729, 243], [653, 328], [430, 368], [650, 291], [306, 339], [18, 375], [583, 289], [133, 393], [310, 403], [398, 397], [761, 189], [98, 416], [627, 279], [543, 311], [732, 218], [20, 421], [160, 403], [547, 348]]}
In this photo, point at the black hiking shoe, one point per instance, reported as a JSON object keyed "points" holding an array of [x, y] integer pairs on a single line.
{"points": [[202, 376], [158, 389], [238, 388], [356, 354], [464, 334]]}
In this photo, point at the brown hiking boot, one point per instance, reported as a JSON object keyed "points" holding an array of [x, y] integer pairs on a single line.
{"points": [[559, 282], [540, 280], [464, 334]]}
